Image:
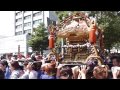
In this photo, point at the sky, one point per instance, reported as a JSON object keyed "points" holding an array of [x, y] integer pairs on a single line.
{"points": [[6, 23]]}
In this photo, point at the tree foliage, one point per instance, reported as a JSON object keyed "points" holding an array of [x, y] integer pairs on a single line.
{"points": [[109, 21], [61, 14], [39, 39]]}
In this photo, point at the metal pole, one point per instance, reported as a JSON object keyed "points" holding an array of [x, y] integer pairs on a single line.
{"points": [[43, 18]]}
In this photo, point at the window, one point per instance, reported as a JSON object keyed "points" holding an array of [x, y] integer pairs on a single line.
{"points": [[18, 13], [19, 19], [27, 24], [37, 21], [54, 23], [50, 22], [27, 31], [18, 33], [27, 17], [37, 14], [19, 26]]}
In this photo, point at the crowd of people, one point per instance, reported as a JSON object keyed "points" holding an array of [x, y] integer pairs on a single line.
{"points": [[39, 67]]}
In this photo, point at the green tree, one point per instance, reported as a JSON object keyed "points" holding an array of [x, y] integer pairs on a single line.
{"points": [[117, 46], [39, 39], [109, 22], [62, 14]]}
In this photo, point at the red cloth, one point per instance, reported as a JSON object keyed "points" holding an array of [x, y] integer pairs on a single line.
{"points": [[51, 42], [92, 35]]}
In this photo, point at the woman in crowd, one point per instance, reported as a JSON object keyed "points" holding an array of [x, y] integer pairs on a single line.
{"points": [[15, 70], [116, 67], [49, 71], [26, 71], [33, 74], [64, 72], [101, 72], [2, 76], [5, 68]]}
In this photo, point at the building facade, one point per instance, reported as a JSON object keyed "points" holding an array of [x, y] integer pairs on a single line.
{"points": [[25, 21], [13, 43]]}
